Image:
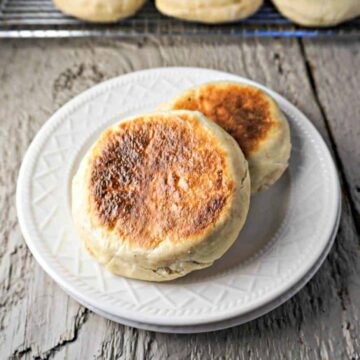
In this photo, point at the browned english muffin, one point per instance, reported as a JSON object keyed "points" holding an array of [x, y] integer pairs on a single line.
{"points": [[161, 195], [254, 120]]}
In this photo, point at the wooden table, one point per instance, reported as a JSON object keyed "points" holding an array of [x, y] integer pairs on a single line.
{"points": [[321, 77]]}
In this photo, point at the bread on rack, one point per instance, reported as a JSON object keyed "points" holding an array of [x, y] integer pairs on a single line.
{"points": [[252, 117], [209, 11], [161, 195], [99, 10], [318, 12]]}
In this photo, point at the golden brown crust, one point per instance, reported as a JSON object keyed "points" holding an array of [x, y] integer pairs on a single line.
{"points": [[243, 111], [158, 179], [179, 223]]}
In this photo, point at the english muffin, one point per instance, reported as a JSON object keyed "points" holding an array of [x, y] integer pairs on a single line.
{"points": [[319, 12], [160, 195], [252, 117], [99, 10], [209, 11]]}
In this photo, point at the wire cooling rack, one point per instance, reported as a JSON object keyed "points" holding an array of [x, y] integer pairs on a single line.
{"points": [[39, 18]]}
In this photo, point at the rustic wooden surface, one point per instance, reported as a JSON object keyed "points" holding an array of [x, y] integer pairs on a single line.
{"points": [[38, 320]]}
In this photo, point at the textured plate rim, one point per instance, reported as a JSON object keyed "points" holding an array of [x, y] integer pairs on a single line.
{"points": [[45, 262], [231, 322]]}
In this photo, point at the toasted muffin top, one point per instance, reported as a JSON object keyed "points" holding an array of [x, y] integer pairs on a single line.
{"points": [[161, 177], [245, 112]]}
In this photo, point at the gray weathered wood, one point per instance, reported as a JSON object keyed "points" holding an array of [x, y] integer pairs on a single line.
{"points": [[38, 319], [336, 83]]}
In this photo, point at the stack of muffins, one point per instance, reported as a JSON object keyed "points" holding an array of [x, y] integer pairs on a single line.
{"points": [[162, 194]]}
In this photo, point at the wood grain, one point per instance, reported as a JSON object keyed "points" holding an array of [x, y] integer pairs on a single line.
{"points": [[336, 85], [38, 320]]}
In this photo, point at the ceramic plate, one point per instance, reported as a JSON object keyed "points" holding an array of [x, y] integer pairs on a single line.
{"points": [[227, 323], [287, 231]]}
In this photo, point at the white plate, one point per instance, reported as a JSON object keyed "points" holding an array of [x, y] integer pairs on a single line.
{"points": [[288, 227], [238, 320]]}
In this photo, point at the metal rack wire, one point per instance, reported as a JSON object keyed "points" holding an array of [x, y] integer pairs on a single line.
{"points": [[39, 18]]}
